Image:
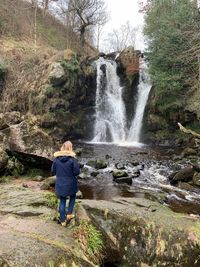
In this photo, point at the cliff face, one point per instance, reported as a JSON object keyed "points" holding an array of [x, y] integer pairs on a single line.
{"points": [[128, 70], [160, 123]]}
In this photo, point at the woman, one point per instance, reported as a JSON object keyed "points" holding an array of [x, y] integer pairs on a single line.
{"points": [[66, 168]]}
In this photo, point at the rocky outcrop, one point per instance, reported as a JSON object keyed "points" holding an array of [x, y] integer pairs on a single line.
{"points": [[190, 174], [28, 138], [146, 233], [128, 70], [27, 230]]}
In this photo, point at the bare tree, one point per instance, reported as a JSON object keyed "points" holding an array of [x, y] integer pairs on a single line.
{"points": [[86, 14], [45, 4], [121, 38]]}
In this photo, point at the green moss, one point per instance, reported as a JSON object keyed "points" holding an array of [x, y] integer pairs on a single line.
{"points": [[52, 200], [71, 65]]}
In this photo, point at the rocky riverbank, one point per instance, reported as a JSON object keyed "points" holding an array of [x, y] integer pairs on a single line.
{"points": [[134, 231]]}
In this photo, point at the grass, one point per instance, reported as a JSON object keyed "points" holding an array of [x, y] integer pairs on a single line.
{"points": [[52, 200], [90, 240], [5, 179]]}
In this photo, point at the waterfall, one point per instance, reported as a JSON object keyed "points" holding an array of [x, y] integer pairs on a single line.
{"points": [[144, 88], [110, 123]]}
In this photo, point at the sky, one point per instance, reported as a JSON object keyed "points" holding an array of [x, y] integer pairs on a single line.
{"points": [[120, 12]]}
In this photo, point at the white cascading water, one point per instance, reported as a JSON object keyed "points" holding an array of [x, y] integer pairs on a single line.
{"points": [[110, 124], [144, 88]]}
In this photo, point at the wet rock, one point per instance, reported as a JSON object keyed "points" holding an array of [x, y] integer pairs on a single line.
{"points": [[3, 160], [185, 186], [196, 167], [135, 163], [184, 175], [91, 163], [188, 151], [136, 174], [94, 174], [83, 176], [196, 179], [78, 152], [124, 180], [100, 164], [120, 166], [48, 183], [79, 195], [119, 173]]}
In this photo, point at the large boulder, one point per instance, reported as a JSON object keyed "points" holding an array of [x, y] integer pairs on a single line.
{"points": [[57, 75], [119, 173], [124, 180], [147, 233], [184, 175], [28, 138]]}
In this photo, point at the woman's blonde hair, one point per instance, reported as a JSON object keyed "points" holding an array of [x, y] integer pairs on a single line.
{"points": [[67, 146], [65, 150]]}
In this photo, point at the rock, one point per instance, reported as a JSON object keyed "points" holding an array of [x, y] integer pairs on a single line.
{"points": [[28, 138], [185, 186], [57, 75], [49, 182], [91, 163], [83, 176], [188, 151], [14, 167], [196, 179], [124, 180], [38, 178], [144, 226], [32, 231], [136, 174], [184, 175], [196, 167], [79, 195], [120, 166], [135, 163], [78, 152], [3, 160], [119, 173], [9, 118], [100, 164], [94, 174]]}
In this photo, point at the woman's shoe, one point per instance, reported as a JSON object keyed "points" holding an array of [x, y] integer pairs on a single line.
{"points": [[63, 223], [70, 217]]}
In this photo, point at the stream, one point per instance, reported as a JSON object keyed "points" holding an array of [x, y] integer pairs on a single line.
{"points": [[155, 166]]}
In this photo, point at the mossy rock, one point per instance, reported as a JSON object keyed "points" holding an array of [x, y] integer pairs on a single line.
{"points": [[196, 179]]}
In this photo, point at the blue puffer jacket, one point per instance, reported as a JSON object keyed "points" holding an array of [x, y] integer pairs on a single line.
{"points": [[66, 169]]}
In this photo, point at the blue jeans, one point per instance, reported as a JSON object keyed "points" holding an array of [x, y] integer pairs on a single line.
{"points": [[62, 207]]}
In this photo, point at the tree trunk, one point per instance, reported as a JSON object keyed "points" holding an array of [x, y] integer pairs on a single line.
{"points": [[82, 37], [35, 24]]}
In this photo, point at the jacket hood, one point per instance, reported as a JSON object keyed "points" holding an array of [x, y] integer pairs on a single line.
{"points": [[63, 158], [64, 154]]}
